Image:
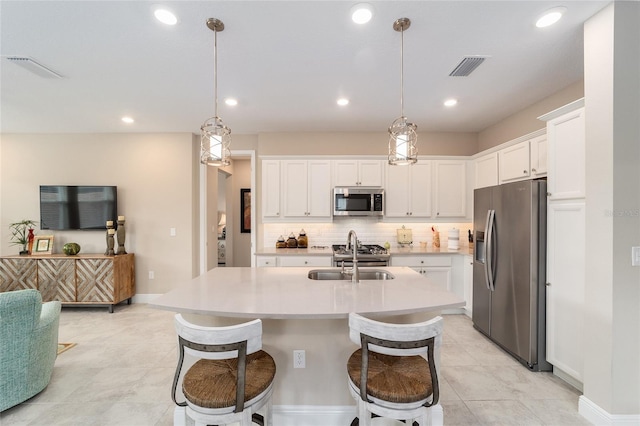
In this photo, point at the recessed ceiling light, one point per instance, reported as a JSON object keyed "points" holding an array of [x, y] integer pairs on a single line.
{"points": [[231, 101], [165, 16], [361, 13], [127, 120], [342, 101], [550, 17], [450, 102]]}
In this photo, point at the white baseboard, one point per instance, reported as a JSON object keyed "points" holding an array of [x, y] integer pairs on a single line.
{"points": [[600, 417], [297, 415], [144, 298], [313, 415]]}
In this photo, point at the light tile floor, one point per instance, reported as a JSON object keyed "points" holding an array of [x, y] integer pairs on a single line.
{"points": [[121, 370]]}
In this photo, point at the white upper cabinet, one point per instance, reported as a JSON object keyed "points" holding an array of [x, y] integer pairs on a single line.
{"points": [[306, 188], [486, 170], [450, 188], [566, 149], [514, 162], [271, 188], [408, 190], [357, 172], [538, 147]]}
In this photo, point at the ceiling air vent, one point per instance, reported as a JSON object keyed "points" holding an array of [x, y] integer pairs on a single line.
{"points": [[33, 66], [467, 65]]}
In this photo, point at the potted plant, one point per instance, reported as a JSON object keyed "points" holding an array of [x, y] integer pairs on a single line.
{"points": [[21, 233]]}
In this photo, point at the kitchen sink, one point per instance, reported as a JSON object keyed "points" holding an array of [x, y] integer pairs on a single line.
{"points": [[337, 274]]}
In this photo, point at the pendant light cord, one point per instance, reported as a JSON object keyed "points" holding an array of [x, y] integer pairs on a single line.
{"points": [[215, 70], [402, 73]]}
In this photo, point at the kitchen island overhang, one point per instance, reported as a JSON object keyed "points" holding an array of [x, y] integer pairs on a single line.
{"points": [[311, 315], [288, 293]]}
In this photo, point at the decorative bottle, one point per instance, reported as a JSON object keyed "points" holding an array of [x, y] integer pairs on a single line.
{"points": [[121, 235], [30, 238]]}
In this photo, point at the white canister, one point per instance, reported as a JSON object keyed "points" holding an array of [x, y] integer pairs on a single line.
{"points": [[454, 239]]}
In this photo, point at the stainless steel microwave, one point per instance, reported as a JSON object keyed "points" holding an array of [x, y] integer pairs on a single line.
{"points": [[358, 201]]}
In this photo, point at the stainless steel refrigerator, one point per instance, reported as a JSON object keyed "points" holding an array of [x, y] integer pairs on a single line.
{"points": [[509, 268]]}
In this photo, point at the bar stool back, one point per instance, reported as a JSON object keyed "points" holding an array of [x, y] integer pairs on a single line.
{"points": [[394, 374], [232, 378]]}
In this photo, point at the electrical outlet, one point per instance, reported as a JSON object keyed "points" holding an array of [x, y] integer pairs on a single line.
{"points": [[299, 359], [152, 275], [635, 256], [172, 232]]}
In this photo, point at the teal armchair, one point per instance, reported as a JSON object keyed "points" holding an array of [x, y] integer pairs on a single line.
{"points": [[28, 345]]}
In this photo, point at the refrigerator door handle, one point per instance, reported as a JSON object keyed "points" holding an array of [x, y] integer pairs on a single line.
{"points": [[486, 251], [489, 249]]}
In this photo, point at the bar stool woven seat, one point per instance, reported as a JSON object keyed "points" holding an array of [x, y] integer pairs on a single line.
{"points": [[398, 379], [197, 384], [394, 374], [231, 377]]}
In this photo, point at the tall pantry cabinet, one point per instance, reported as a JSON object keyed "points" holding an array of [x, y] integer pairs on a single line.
{"points": [[566, 240]]}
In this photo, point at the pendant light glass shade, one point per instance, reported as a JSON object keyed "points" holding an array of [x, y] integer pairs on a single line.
{"points": [[402, 134], [402, 142], [215, 136], [215, 139]]}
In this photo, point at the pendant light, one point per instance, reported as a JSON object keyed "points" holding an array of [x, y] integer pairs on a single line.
{"points": [[215, 136], [403, 136]]}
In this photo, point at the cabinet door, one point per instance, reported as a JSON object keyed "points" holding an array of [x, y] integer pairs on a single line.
{"points": [[566, 148], [370, 172], [94, 280], [397, 191], [420, 189], [345, 172], [305, 261], [270, 188], [468, 284], [57, 279], [295, 187], [486, 170], [18, 274], [538, 156], [266, 261], [565, 286], [514, 162], [439, 275], [319, 190], [450, 188]]}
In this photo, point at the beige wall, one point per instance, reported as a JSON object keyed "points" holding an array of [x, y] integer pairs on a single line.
{"points": [[241, 242], [526, 121], [151, 172], [362, 143]]}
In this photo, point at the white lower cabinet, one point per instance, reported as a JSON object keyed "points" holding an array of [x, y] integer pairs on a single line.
{"points": [[287, 261], [566, 286], [304, 260], [467, 269], [435, 267], [266, 261]]}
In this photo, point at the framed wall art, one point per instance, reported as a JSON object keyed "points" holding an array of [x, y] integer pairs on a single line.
{"points": [[42, 244], [245, 210]]}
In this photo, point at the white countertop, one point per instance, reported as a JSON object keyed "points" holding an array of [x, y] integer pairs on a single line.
{"points": [[287, 293], [393, 251]]}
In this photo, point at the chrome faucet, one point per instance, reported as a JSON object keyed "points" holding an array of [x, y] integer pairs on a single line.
{"points": [[355, 275]]}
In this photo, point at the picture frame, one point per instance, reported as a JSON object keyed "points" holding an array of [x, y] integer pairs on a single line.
{"points": [[42, 244], [245, 210]]}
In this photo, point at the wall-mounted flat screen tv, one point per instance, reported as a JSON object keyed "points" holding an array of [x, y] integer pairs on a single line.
{"points": [[65, 207]]}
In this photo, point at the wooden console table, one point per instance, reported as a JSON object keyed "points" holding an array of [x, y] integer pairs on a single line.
{"points": [[85, 279]]}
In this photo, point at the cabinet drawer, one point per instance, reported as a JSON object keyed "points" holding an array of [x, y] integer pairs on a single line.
{"points": [[305, 261], [417, 261], [266, 261]]}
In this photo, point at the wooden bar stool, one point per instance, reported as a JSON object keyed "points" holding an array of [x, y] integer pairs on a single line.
{"points": [[388, 377], [232, 379]]}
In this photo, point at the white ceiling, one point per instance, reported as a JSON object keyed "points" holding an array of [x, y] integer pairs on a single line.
{"points": [[285, 61]]}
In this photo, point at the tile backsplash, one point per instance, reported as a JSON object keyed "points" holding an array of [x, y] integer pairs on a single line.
{"points": [[369, 231]]}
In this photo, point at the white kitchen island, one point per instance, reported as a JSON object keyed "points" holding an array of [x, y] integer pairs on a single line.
{"points": [[311, 315]]}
